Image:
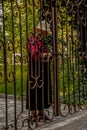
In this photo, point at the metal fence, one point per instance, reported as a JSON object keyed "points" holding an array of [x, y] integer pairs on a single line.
{"points": [[43, 55]]}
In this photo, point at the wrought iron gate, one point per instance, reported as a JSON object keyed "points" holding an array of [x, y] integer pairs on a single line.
{"points": [[43, 55]]}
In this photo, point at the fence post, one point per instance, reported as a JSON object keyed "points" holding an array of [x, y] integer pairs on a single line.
{"points": [[55, 58]]}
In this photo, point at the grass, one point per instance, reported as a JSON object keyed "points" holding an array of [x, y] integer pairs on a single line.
{"points": [[18, 83], [73, 90]]}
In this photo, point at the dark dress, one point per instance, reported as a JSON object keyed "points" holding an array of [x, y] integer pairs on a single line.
{"points": [[40, 88]]}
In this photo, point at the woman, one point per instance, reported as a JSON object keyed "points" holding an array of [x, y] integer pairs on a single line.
{"points": [[40, 76]]}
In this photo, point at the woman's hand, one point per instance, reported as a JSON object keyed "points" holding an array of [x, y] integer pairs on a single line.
{"points": [[46, 56]]}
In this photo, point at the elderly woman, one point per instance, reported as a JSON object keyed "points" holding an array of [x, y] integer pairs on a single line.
{"points": [[39, 84]]}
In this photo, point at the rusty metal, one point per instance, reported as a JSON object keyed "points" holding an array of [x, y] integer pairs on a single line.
{"points": [[72, 27], [59, 82]]}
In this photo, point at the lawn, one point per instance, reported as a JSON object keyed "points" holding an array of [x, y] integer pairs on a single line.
{"points": [[19, 83]]}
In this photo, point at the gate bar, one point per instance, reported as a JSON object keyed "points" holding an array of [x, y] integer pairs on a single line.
{"points": [[55, 58]]}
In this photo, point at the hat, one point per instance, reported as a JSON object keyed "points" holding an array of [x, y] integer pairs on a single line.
{"points": [[43, 29], [44, 26]]}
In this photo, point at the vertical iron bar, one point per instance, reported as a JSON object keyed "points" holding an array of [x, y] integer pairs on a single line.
{"points": [[5, 66], [55, 58], [15, 122], [21, 58], [28, 62], [82, 61], [73, 82], [77, 18], [67, 62], [63, 66], [86, 46], [36, 64], [42, 66]]}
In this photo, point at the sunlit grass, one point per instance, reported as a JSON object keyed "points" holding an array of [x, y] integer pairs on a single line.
{"points": [[16, 82]]}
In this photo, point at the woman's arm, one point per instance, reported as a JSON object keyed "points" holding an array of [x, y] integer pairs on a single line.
{"points": [[47, 56]]}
